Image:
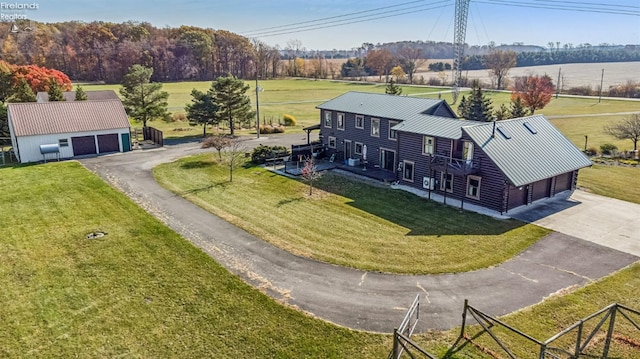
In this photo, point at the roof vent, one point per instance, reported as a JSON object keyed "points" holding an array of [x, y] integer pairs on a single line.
{"points": [[503, 131], [530, 128]]}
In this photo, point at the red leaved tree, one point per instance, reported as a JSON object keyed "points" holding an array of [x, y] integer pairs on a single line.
{"points": [[534, 91], [39, 77]]}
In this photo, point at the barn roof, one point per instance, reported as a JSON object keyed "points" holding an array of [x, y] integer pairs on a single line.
{"points": [[30, 119], [527, 149]]}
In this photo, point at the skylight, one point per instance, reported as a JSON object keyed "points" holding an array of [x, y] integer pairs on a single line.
{"points": [[530, 128], [503, 131]]}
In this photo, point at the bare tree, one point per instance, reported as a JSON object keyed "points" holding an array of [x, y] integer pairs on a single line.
{"points": [[627, 129], [219, 142], [498, 64], [411, 59], [310, 173], [234, 155]]}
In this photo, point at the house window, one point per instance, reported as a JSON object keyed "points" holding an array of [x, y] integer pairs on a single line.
{"points": [[327, 119], [375, 127], [63, 142], [473, 187], [359, 121], [407, 171], [428, 143], [467, 151], [332, 142], [340, 121], [446, 182], [393, 135], [358, 148]]}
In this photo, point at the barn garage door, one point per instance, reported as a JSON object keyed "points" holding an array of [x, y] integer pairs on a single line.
{"points": [[541, 189], [108, 143], [84, 145], [517, 197], [563, 182]]}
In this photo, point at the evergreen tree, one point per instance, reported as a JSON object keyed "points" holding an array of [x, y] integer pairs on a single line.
{"points": [[55, 91], [517, 108], [80, 94], [477, 107], [392, 88], [502, 113], [4, 126], [23, 93], [234, 105], [202, 110], [143, 100]]}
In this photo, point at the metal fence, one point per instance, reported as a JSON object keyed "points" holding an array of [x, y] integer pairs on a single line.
{"points": [[402, 342], [569, 343]]}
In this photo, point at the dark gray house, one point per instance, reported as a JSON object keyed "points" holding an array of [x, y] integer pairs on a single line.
{"points": [[497, 165]]}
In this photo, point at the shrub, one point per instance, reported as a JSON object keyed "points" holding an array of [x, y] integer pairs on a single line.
{"points": [[267, 129], [581, 90], [289, 120], [179, 117], [591, 151], [608, 148], [262, 152]]}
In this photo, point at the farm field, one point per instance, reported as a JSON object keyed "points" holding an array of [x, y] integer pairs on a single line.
{"points": [[361, 226]]}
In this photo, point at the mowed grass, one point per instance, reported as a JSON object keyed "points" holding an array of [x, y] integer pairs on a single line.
{"points": [[347, 222], [576, 128], [612, 181], [139, 292]]}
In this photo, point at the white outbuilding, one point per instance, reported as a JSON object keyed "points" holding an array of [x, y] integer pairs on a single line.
{"points": [[66, 129]]}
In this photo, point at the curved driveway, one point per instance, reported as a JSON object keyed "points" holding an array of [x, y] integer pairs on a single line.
{"points": [[353, 298]]}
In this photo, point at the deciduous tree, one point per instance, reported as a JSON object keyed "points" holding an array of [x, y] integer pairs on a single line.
{"points": [[398, 73], [498, 63], [535, 91], [627, 129], [310, 173], [202, 110], [234, 155], [233, 104], [411, 59], [219, 142], [143, 100], [380, 61]]}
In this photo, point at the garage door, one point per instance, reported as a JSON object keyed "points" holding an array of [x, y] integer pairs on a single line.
{"points": [[563, 182], [517, 197], [108, 143], [84, 145], [541, 189]]}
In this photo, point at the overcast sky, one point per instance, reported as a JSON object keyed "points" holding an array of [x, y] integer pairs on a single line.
{"points": [[501, 21]]}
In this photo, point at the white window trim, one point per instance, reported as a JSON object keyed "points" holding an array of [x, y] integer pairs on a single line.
{"points": [[443, 182], [469, 178], [338, 121], [433, 145], [328, 113], [360, 117], [391, 124], [355, 149], [334, 142], [372, 121], [413, 171]]}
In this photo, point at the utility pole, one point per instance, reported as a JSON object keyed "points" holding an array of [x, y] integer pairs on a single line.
{"points": [[558, 83], [257, 108], [601, 82], [459, 34]]}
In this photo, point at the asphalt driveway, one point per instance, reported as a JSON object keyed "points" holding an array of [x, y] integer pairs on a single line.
{"points": [[352, 298]]}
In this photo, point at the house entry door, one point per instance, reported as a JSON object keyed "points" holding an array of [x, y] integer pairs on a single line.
{"points": [[347, 149], [387, 160]]}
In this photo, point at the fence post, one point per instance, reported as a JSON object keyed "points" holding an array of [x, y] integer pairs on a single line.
{"points": [[543, 350], [612, 322], [579, 339], [464, 317], [395, 344]]}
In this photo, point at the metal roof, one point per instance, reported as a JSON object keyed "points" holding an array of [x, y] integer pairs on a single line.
{"points": [[91, 95], [526, 157], [380, 105], [433, 126], [39, 118]]}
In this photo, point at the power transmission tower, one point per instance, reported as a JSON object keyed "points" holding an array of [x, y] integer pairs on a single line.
{"points": [[459, 34]]}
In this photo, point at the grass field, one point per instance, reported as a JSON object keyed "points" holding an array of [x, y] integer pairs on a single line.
{"points": [[349, 223], [611, 181], [141, 291]]}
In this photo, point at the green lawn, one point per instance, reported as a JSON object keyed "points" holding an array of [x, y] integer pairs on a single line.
{"points": [[576, 128], [612, 181], [347, 222], [142, 291]]}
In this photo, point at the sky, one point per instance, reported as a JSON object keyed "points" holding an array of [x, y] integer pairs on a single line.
{"points": [[347, 24]]}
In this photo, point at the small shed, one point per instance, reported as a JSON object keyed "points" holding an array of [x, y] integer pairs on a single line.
{"points": [[77, 127]]}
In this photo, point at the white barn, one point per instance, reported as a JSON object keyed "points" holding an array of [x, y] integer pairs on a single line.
{"points": [[75, 128]]}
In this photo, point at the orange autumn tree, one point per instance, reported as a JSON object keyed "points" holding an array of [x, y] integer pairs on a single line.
{"points": [[535, 92], [37, 77]]}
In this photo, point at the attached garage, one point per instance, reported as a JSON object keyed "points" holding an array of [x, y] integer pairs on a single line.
{"points": [[541, 189], [77, 127], [564, 182], [83, 145], [517, 197]]}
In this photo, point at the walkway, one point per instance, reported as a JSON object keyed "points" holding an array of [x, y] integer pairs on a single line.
{"points": [[352, 298]]}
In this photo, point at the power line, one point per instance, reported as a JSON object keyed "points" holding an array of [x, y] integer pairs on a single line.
{"points": [[567, 7]]}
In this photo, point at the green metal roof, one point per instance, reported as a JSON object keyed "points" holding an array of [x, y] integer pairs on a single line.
{"points": [[380, 105], [527, 153], [433, 126]]}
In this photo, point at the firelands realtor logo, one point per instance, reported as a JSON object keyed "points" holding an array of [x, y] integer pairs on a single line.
{"points": [[16, 11]]}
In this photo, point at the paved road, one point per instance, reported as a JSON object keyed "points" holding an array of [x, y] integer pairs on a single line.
{"points": [[352, 298]]}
